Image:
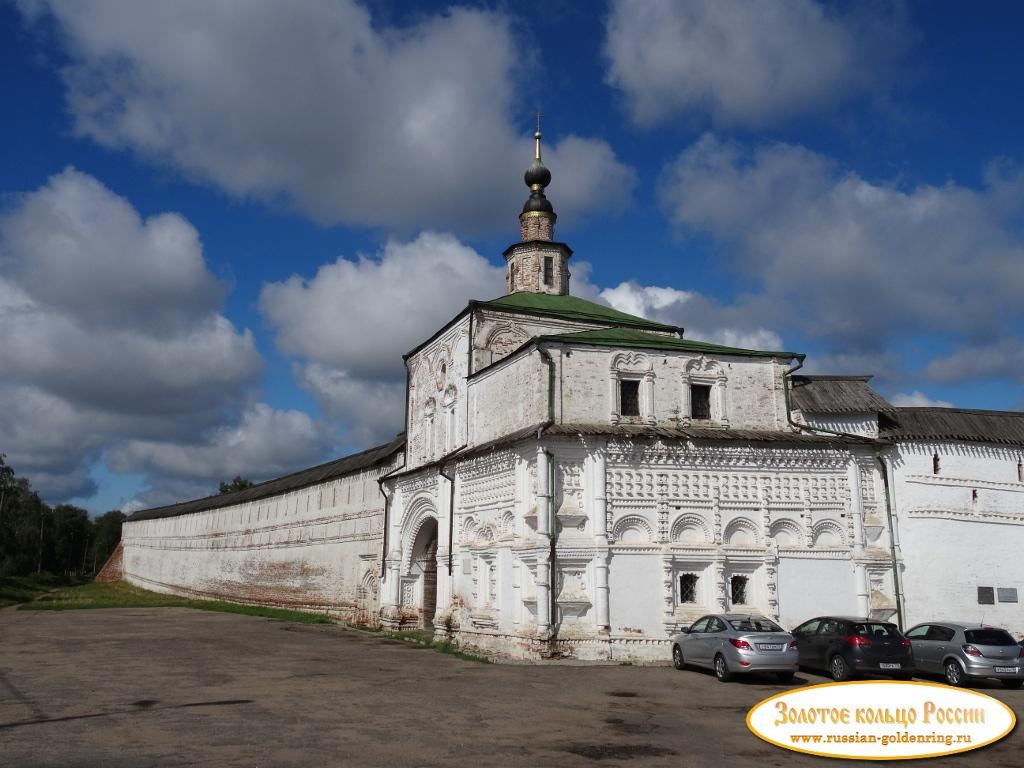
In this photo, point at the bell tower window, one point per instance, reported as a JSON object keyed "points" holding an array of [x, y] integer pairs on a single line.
{"points": [[549, 270]]}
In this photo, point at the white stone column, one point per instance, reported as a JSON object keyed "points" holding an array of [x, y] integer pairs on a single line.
{"points": [[599, 521], [856, 509], [860, 576], [443, 595], [648, 398], [543, 579]]}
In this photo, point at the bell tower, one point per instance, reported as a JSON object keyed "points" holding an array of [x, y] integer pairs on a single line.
{"points": [[537, 263]]}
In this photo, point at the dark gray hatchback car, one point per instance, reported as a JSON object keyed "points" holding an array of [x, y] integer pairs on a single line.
{"points": [[846, 646], [961, 651]]}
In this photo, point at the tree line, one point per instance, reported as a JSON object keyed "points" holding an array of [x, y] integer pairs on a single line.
{"points": [[63, 540]]}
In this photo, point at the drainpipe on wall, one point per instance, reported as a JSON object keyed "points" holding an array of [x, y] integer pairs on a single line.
{"points": [[451, 516], [885, 484], [892, 541], [546, 357]]}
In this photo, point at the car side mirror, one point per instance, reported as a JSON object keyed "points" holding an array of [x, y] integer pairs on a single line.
{"points": [[685, 630]]}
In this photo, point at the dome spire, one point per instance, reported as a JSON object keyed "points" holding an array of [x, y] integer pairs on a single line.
{"points": [[537, 178]]}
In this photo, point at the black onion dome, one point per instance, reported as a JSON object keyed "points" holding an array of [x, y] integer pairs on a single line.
{"points": [[537, 174], [538, 202], [537, 177]]}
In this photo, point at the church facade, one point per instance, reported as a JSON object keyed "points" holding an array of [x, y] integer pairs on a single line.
{"points": [[577, 482]]}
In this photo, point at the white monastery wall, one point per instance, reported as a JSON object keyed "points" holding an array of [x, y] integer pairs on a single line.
{"points": [[509, 396], [961, 529], [746, 394], [317, 548], [437, 396]]}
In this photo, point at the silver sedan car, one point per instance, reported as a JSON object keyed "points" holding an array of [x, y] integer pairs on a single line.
{"points": [[960, 652], [735, 643]]}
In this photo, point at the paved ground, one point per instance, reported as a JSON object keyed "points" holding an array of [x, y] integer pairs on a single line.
{"points": [[175, 687]]}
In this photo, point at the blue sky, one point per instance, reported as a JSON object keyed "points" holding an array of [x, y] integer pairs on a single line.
{"points": [[222, 223]]}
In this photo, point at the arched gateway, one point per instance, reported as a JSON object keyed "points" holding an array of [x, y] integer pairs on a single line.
{"points": [[422, 572]]}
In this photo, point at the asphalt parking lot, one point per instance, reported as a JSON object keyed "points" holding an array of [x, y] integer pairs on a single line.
{"points": [[177, 687]]}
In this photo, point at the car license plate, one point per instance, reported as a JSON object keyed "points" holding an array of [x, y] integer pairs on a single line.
{"points": [[889, 666], [1010, 670], [769, 647]]}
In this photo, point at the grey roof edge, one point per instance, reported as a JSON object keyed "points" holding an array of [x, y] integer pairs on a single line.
{"points": [[295, 481], [969, 425]]}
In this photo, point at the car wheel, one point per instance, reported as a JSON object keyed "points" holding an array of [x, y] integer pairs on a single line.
{"points": [[722, 669], [784, 677], [677, 657], [954, 673], [1013, 684], [839, 669]]}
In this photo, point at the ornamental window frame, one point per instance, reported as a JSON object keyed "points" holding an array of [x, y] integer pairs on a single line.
{"points": [[703, 371], [631, 366]]}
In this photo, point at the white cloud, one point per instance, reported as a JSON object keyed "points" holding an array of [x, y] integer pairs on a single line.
{"points": [[998, 358], [264, 443], [351, 323], [746, 63], [113, 334], [702, 318], [917, 399], [347, 120], [362, 315], [852, 263], [372, 411]]}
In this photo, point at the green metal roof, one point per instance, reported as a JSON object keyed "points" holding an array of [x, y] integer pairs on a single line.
{"points": [[627, 337], [571, 308]]}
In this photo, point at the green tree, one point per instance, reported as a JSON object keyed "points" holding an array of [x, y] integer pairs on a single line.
{"points": [[239, 483], [106, 533]]}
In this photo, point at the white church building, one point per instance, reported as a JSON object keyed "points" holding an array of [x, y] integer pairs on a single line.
{"points": [[577, 482]]}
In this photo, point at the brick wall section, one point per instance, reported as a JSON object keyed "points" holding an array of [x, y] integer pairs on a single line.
{"points": [[112, 569]]}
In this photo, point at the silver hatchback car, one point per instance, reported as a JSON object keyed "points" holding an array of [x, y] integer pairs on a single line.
{"points": [[964, 651], [734, 643]]}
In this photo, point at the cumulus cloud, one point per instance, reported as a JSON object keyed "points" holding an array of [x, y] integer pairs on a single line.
{"points": [[856, 264], [370, 125], [112, 334], [400, 295], [917, 399], [746, 63], [702, 318], [998, 358], [265, 442], [350, 324]]}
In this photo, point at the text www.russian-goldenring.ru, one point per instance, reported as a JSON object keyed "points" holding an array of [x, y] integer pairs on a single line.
{"points": [[884, 740]]}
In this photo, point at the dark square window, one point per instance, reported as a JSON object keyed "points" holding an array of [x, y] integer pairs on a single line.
{"points": [[738, 590], [700, 401], [549, 270], [688, 588], [629, 398], [986, 596]]}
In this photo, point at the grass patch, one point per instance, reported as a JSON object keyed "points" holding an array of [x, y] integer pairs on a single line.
{"points": [[441, 646], [120, 594], [23, 589]]}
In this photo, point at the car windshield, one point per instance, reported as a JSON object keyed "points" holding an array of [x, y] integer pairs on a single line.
{"points": [[871, 629], [989, 637], [754, 624]]}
